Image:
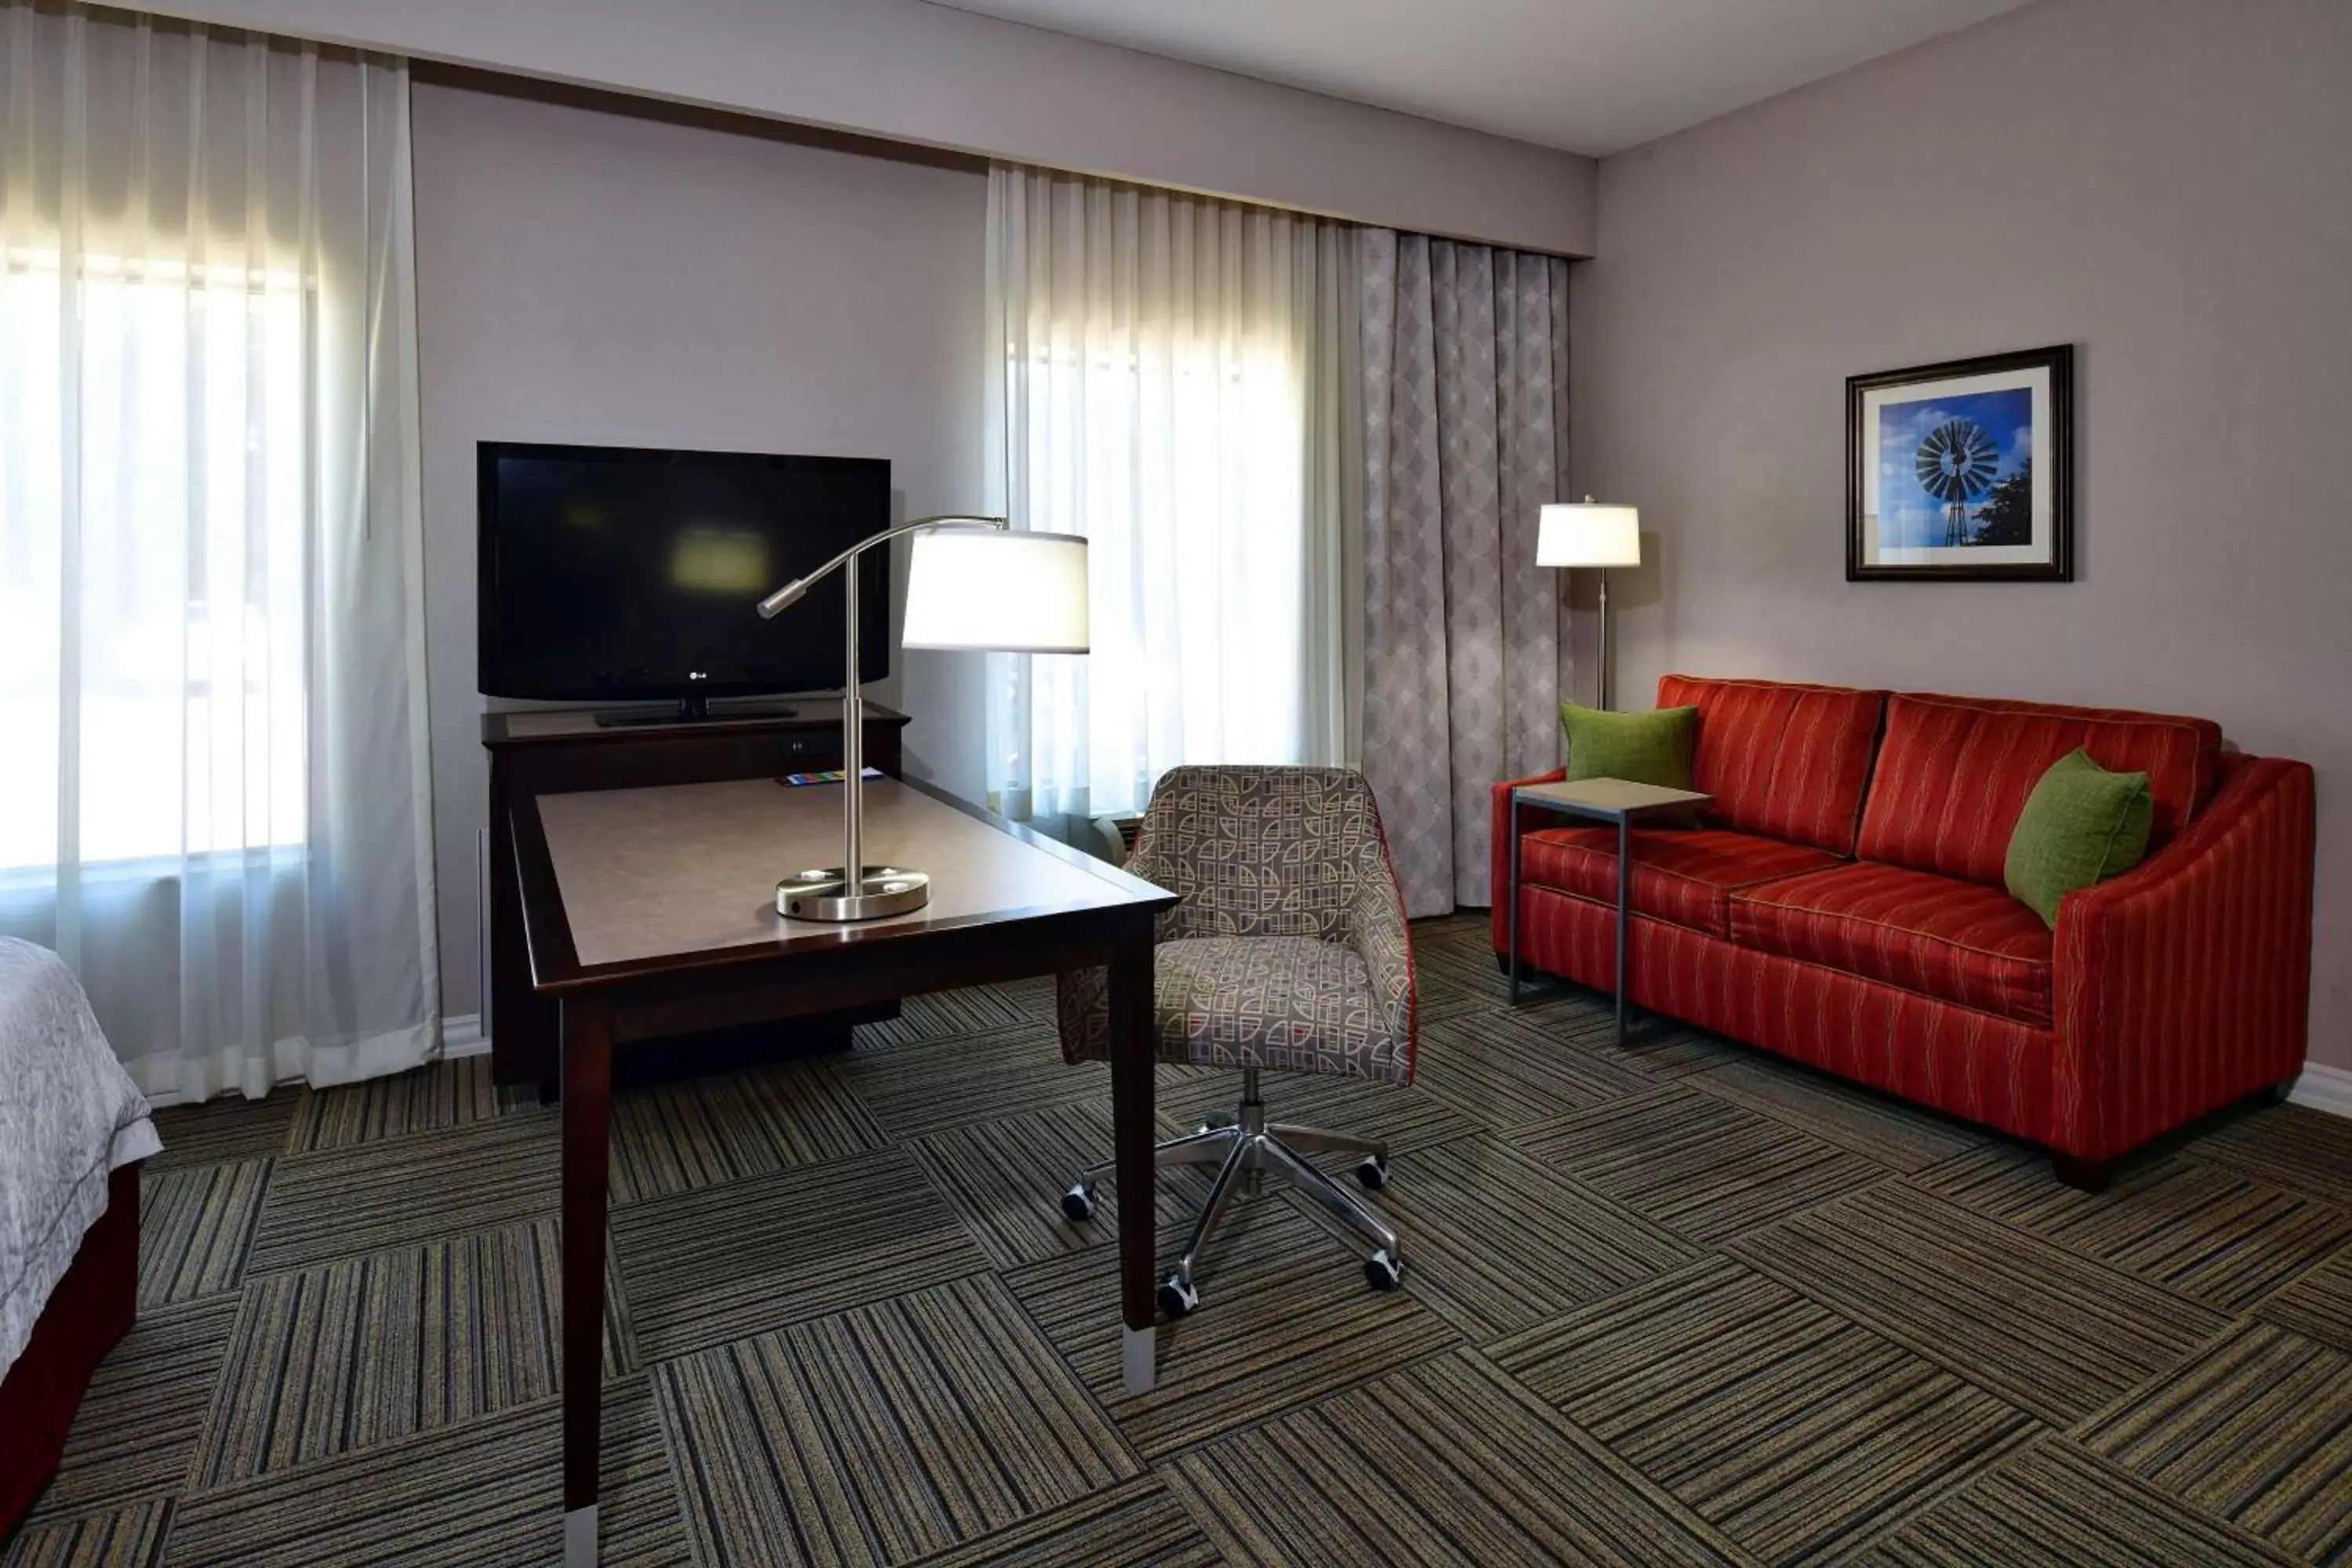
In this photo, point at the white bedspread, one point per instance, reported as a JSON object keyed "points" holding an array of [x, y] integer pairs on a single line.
{"points": [[69, 1116]]}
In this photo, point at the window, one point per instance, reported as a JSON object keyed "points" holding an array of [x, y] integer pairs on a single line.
{"points": [[152, 493], [1170, 385], [1184, 462]]}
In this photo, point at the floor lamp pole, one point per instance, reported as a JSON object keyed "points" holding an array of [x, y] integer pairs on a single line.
{"points": [[1604, 638]]}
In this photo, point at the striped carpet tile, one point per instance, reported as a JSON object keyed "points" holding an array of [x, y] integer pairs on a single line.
{"points": [[1797, 1433], [127, 1537], [1658, 1045], [1707, 1169], [1136, 1524], [1502, 1071], [2256, 1431], [724, 1263], [1285, 1317], [1449, 985], [140, 1419], [2056, 1503], [2318, 1306], [2209, 1232], [1445, 1463], [973, 1010], [229, 1128], [1495, 1241], [1006, 1179], [367, 1350], [2291, 1146], [881, 1434], [444, 1095], [620, 1333], [1406, 1117], [2055, 1335], [638, 1522], [932, 1084], [372, 1197], [679, 1137], [1877, 1127], [481, 1492], [197, 1227]]}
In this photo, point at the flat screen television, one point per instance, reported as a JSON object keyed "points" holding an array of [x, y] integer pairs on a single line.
{"points": [[622, 574]]}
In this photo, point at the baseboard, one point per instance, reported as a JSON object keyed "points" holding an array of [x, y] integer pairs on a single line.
{"points": [[2323, 1088], [461, 1036]]}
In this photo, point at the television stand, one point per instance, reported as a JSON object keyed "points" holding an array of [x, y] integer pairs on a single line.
{"points": [[693, 710]]}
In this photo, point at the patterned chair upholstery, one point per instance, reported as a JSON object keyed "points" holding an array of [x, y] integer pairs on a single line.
{"points": [[1289, 949]]}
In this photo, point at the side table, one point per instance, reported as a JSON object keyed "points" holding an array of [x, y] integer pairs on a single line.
{"points": [[1620, 801]]}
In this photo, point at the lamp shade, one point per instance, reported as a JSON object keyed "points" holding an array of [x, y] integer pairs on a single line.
{"points": [[1586, 534], [982, 588]]}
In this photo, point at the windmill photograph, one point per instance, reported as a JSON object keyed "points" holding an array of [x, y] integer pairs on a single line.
{"points": [[1958, 470]]}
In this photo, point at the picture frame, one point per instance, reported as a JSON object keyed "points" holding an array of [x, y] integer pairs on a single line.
{"points": [[1962, 471]]}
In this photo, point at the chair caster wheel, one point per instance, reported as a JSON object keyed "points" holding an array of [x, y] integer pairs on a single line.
{"points": [[1382, 1270], [1374, 1173], [1177, 1296], [1079, 1203]]}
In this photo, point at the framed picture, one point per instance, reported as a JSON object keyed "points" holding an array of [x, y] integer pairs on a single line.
{"points": [[1962, 471]]}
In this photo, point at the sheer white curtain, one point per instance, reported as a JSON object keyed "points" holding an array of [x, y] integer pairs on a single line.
{"points": [[1175, 378], [215, 804]]}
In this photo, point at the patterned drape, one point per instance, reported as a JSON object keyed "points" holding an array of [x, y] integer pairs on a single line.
{"points": [[1465, 435]]}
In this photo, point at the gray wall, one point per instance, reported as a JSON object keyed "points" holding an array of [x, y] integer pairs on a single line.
{"points": [[2166, 184], [926, 73], [592, 276]]}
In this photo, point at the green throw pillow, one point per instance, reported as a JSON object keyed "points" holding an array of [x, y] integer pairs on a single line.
{"points": [[2082, 825], [1642, 748]]}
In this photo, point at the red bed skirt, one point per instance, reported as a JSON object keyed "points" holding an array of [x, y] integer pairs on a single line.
{"points": [[91, 1307]]}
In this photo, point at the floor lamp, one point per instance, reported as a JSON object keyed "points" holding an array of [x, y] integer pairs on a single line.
{"points": [[970, 586], [1586, 534]]}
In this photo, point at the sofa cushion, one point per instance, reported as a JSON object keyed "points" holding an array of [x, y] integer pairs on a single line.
{"points": [[1641, 747], [1686, 877], [1954, 771], [1956, 940], [1783, 760]]}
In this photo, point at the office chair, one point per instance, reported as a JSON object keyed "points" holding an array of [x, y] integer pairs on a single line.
{"points": [[1288, 950]]}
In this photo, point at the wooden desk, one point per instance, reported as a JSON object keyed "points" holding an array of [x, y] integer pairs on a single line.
{"points": [[556, 751], [650, 912]]}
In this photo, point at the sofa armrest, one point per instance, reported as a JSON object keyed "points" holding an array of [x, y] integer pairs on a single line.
{"points": [[2186, 983], [1499, 850]]}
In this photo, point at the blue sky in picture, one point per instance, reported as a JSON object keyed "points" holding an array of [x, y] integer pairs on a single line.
{"points": [[1908, 516]]}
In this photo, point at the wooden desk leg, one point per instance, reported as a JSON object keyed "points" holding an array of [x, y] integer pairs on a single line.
{"points": [[587, 1118], [1132, 1134]]}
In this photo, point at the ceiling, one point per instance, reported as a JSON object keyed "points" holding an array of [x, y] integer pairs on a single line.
{"points": [[1590, 75]]}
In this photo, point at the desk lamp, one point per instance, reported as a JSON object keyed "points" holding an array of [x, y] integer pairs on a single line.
{"points": [[972, 584]]}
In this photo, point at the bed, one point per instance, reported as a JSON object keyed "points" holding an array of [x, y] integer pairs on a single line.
{"points": [[73, 1128]]}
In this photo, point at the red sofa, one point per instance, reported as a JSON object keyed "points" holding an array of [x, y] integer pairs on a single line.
{"points": [[1842, 903]]}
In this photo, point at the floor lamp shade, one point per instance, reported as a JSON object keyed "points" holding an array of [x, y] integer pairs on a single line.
{"points": [[1570, 535], [983, 588]]}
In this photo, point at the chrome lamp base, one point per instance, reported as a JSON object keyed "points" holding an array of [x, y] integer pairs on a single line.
{"points": [[827, 895]]}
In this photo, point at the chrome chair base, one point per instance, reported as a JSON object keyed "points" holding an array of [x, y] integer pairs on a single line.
{"points": [[1244, 1152]]}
